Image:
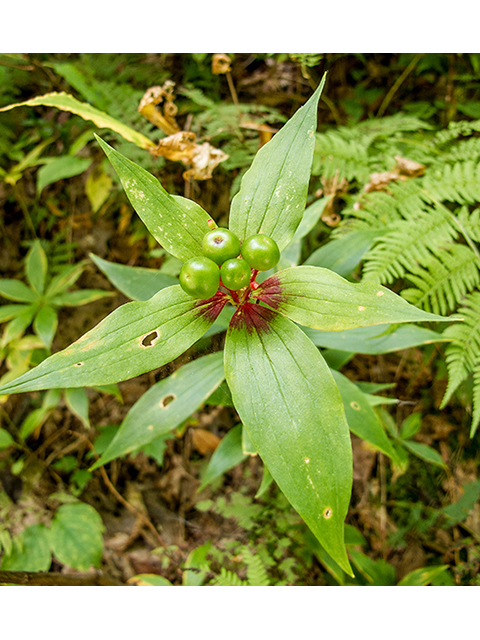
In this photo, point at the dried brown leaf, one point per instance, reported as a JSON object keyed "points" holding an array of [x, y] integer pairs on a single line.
{"points": [[150, 102], [405, 168], [409, 168], [221, 63], [204, 160], [332, 188], [204, 441], [380, 181], [179, 146]]}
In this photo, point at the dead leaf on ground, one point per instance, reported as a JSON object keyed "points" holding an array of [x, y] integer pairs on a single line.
{"points": [[221, 63], [332, 188], [205, 159], [178, 146], [204, 441], [409, 168], [149, 107], [405, 168], [265, 132]]}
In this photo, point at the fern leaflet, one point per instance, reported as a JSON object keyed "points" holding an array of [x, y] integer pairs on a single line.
{"points": [[444, 280], [227, 579], [337, 155], [459, 182], [408, 243], [256, 571], [463, 354]]}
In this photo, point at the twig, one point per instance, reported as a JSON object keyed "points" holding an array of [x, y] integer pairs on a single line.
{"points": [[396, 85], [141, 516], [55, 579]]}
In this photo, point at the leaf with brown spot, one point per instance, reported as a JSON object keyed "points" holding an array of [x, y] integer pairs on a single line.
{"points": [[166, 405], [113, 350], [291, 407]]}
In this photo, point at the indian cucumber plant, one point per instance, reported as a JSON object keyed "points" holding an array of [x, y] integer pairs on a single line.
{"points": [[283, 390]]}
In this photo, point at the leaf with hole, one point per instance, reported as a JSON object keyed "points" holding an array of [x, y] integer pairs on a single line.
{"points": [[135, 338], [166, 405]]}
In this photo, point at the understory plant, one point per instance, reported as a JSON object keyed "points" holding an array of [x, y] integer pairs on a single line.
{"points": [[284, 392], [407, 198]]}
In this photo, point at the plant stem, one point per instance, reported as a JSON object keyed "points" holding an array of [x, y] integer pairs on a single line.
{"points": [[396, 85]]}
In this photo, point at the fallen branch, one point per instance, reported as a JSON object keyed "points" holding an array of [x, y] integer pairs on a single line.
{"points": [[46, 579]]}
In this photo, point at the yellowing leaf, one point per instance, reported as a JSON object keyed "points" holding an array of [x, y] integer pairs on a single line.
{"points": [[66, 102]]}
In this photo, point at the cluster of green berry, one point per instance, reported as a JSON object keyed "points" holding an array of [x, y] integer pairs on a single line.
{"points": [[221, 263]]}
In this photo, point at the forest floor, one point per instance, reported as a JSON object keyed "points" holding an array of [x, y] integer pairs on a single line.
{"points": [[153, 514]]}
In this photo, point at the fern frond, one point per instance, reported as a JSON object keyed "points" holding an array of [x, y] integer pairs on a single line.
{"points": [[470, 222], [376, 210], [390, 125], [444, 280], [456, 129], [337, 154], [228, 579], [464, 150], [409, 242], [476, 400], [306, 59], [463, 354], [459, 182], [256, 571]]}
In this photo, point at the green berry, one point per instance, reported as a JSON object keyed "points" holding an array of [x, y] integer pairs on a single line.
{"points": [[200, 277], [261, 252], [220, 245], [235, 274]]}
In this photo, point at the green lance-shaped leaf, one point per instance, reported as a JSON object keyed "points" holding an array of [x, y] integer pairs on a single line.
{"points": [[178, 224], [292, 409], [375, 339], [66, 102], [36, 267], [227, 455], [166, 405], [273, 191], [361, 416], [321, 299], [135, 338], [137, 283]]}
